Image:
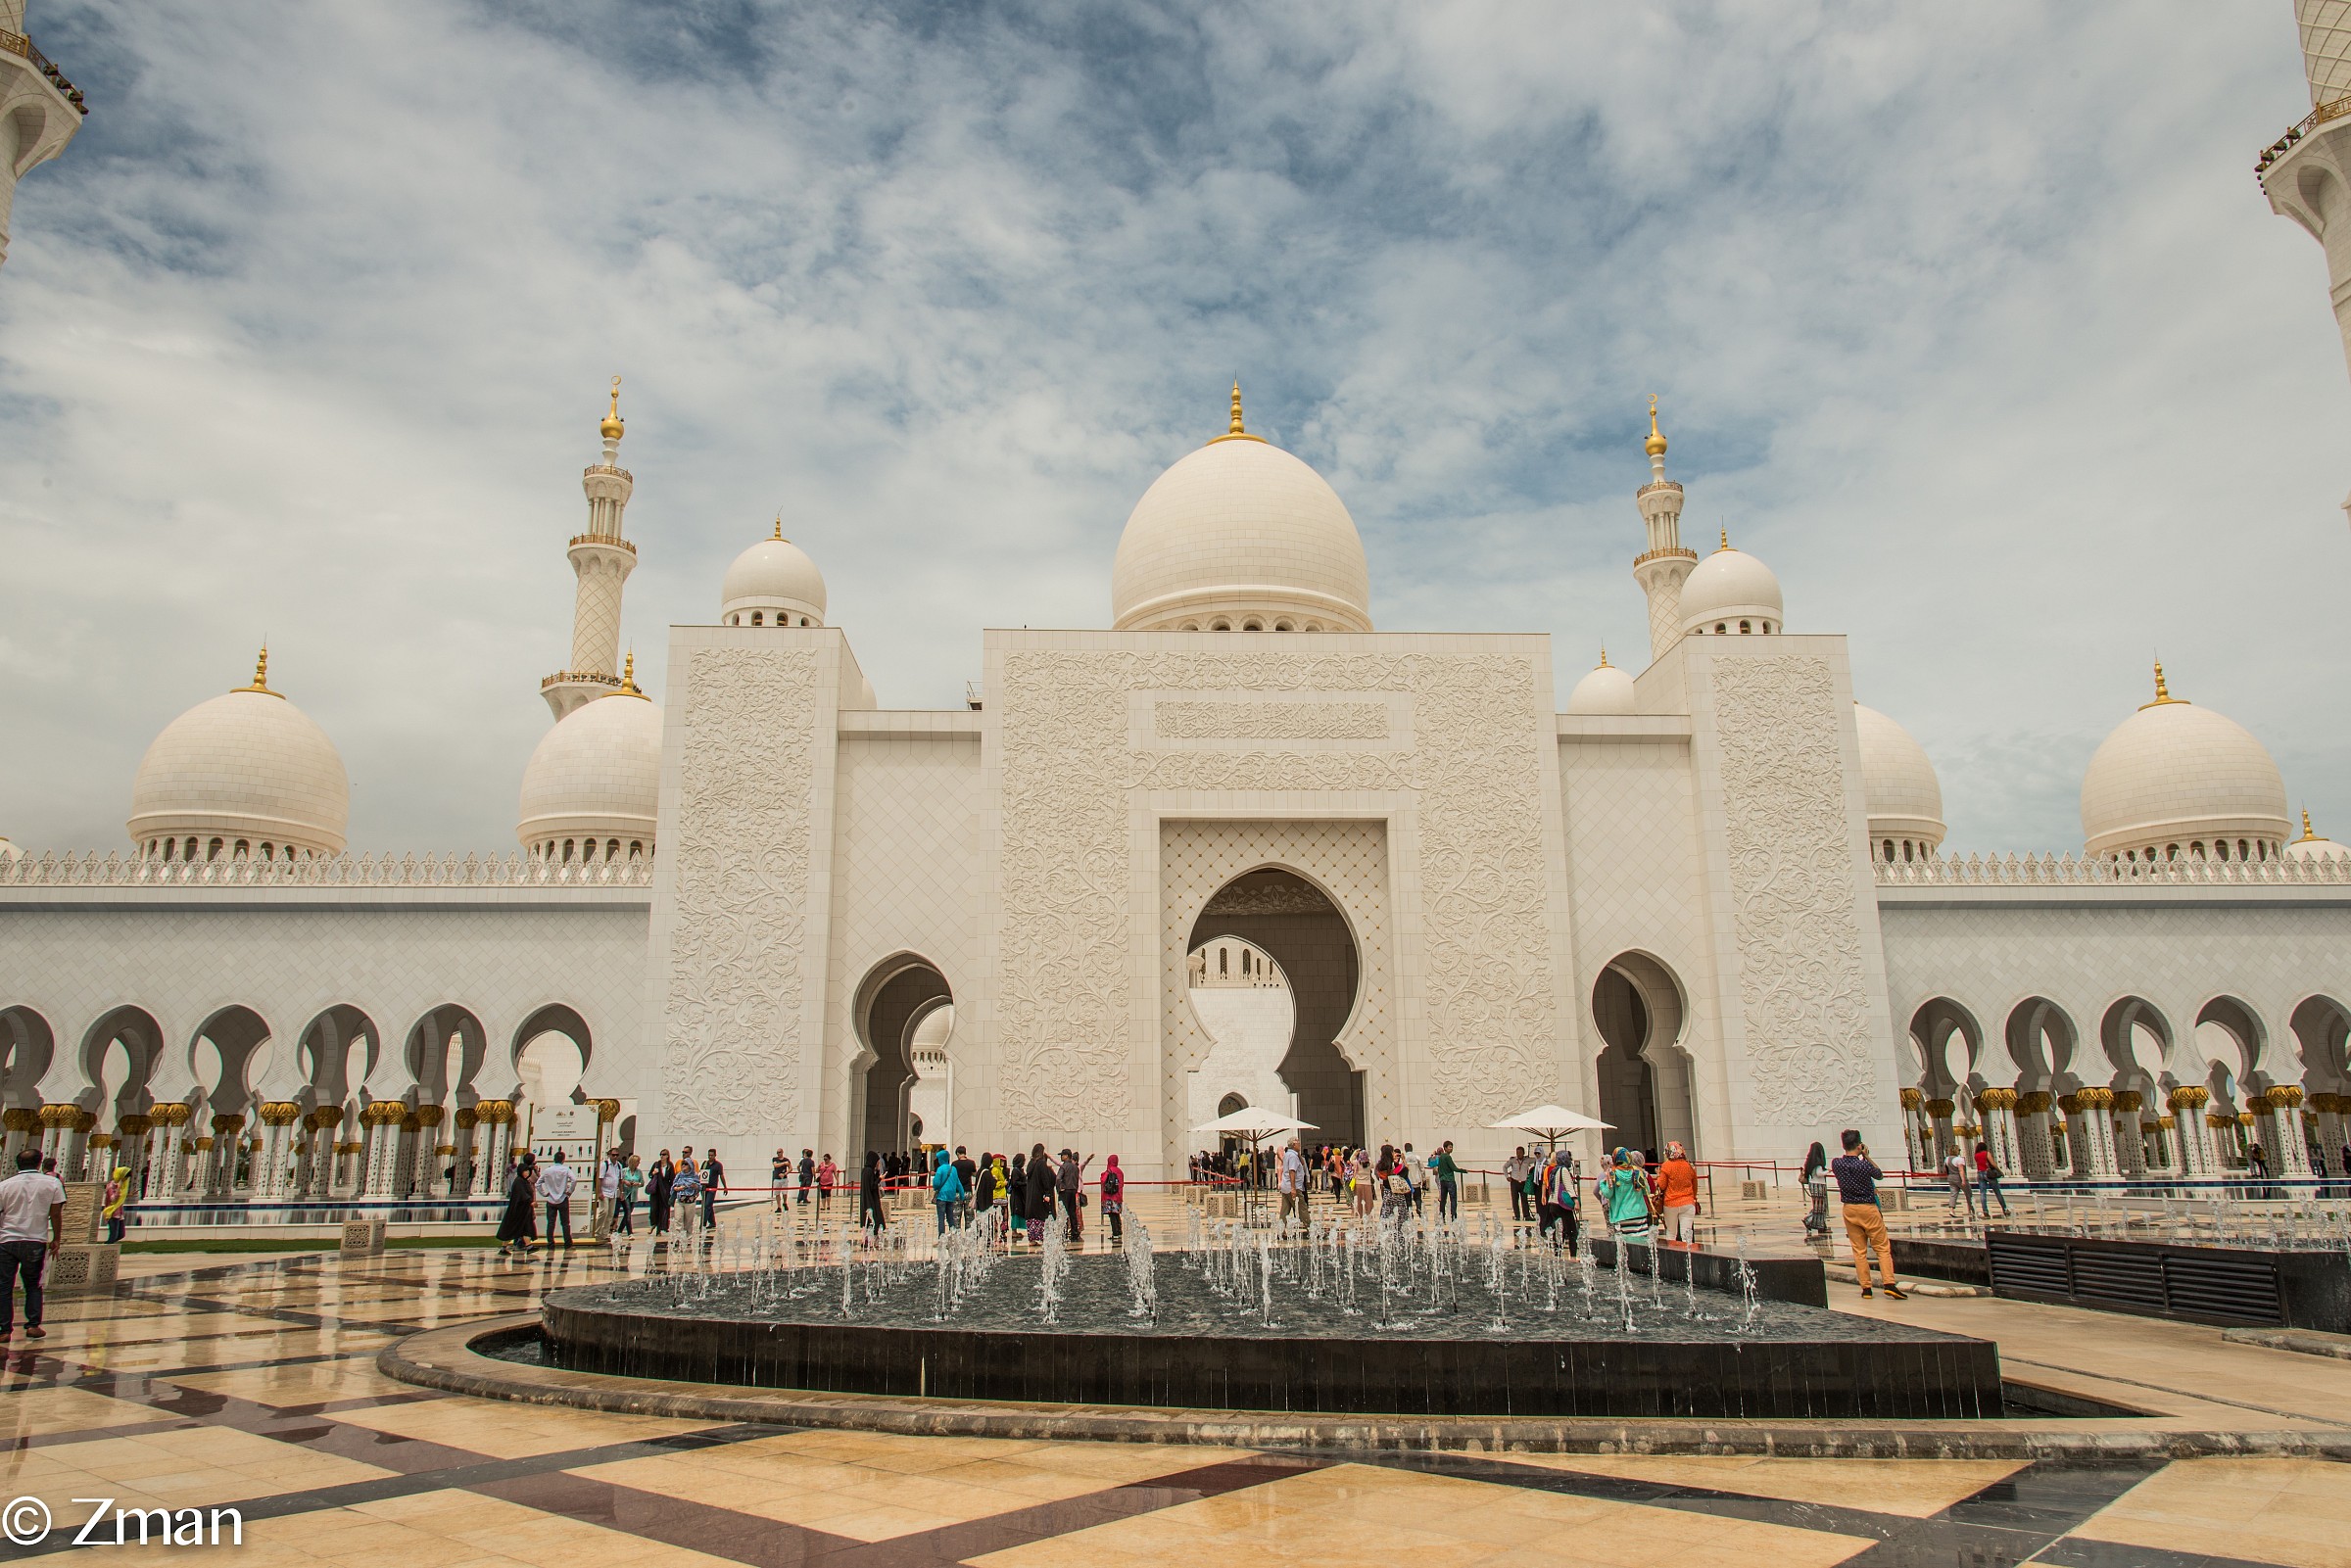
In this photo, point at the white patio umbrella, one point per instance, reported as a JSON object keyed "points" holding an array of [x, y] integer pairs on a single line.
{"points": [[1257, 1126], [1250, 1122], [1551, 1123]]}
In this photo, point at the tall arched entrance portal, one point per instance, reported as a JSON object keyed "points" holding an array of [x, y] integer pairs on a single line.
{"points": [[1644, 1077], [1274, 1028], [892, 1007]]}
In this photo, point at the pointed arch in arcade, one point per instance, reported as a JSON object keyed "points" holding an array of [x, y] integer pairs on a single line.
{"points": [[891, 1002], [1639, 1010], [223, 1054], [2322, 1028], [119, 1054], [28, 1045], [338, 1050]]}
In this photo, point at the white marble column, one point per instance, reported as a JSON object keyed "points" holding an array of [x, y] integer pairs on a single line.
{"points": [[23, 1123], [220, 1172], [271, 1182], [2187, 1103], [2290, 1160], [2093, 1134], [382, 1119], [171, 1144], [2036, 1155], [2130, 1143], [1944, 1138]]}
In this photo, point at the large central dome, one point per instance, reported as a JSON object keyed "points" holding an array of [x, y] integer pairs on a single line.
{"points": [[1240, 537]]}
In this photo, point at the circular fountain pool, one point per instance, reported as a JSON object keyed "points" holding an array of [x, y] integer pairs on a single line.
{"points": [[1289, 1330]]}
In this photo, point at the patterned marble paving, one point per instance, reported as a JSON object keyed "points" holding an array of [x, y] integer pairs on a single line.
{"points": [[254, 1383]]}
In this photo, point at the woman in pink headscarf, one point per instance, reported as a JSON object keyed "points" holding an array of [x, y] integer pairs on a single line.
{"points": [[1114, 1201]]}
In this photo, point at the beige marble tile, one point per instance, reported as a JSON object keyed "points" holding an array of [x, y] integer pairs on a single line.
{"points": [[36, 1412], [2296, 1512], [1915, 1488], [506, 1431]]}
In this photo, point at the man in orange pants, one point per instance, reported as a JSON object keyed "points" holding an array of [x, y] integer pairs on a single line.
{"points": [[1857, 1177]]}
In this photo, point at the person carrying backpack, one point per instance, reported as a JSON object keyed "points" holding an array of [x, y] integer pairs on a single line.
{"points": [[946, 1191]]}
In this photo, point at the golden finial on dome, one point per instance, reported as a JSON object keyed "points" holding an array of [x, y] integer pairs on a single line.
{"points": [[2307, 835], [1656, 445], [1235, 432], [261, 676], [1726, 537], [1604, 656], [612, 428], [2163, 694], [778, 533], [627, 676]]}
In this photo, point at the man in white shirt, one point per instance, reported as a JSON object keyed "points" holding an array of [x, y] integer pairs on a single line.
{"points": [[1955, 1172], [1293, 1182], [555, 1182], [608, 1193], [1416, 1172], [33, 1221]]}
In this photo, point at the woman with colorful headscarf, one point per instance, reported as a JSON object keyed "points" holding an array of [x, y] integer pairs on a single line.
{"points": [[118, 1192], [1677, 1194], [1624, 1197]]}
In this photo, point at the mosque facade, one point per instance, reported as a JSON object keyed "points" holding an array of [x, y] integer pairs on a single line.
{"points": [[1237, 848], [1241, 847]]}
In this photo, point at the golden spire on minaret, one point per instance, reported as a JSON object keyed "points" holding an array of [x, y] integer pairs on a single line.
{"points": [[2163, 694], [612, 429], [261, 676], [1235, 432], [1654, 445]]}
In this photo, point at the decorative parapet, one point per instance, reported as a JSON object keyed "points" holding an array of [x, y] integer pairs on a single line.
{"points": [[2335, 110], [116, 870], [2093, 870], [16, 43]]}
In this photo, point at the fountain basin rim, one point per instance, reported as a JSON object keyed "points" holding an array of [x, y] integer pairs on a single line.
{"points": [[446, 1360]]}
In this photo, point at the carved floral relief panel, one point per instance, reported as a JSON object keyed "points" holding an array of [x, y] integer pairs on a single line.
{"points": [[731, 1058], [1803, 986]]}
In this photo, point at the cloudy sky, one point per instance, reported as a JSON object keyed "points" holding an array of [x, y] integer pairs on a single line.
{"points": [[1970, 320]]}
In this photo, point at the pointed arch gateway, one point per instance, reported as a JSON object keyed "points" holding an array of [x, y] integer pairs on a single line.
{"points": [[1313, 897]]}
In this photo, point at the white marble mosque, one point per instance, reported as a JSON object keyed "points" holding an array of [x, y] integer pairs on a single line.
{"points": [[1238, 847]]}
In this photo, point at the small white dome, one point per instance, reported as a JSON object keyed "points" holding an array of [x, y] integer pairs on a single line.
{"points": [[1240, 536], [244, 770], [776, 581], [1607, 689], [1727, 587], [2175, 776], [1905, 800], [592, 790], [2310, 846]]}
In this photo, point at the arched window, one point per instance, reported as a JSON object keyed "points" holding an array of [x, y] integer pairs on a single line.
{"points": [[611, 849], [2195, 847], [1224, 962], [1253, 624], [1744, 628], [804, 620], [1285, 626], [757, 619], [2170, 851], [1219, 625], [1721, 628], [1889, 851], [1907, 850]]}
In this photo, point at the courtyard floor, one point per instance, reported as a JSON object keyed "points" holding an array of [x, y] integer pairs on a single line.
{"points": [[211, 1381]]}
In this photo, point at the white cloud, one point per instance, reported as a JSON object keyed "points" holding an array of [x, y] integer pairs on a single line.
{"points": [[1970, 320]]}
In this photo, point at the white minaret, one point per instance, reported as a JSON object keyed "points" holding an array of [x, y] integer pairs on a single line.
{"points": [[40, 109], [1660, 568], [2306, 174], [602, 560]]}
